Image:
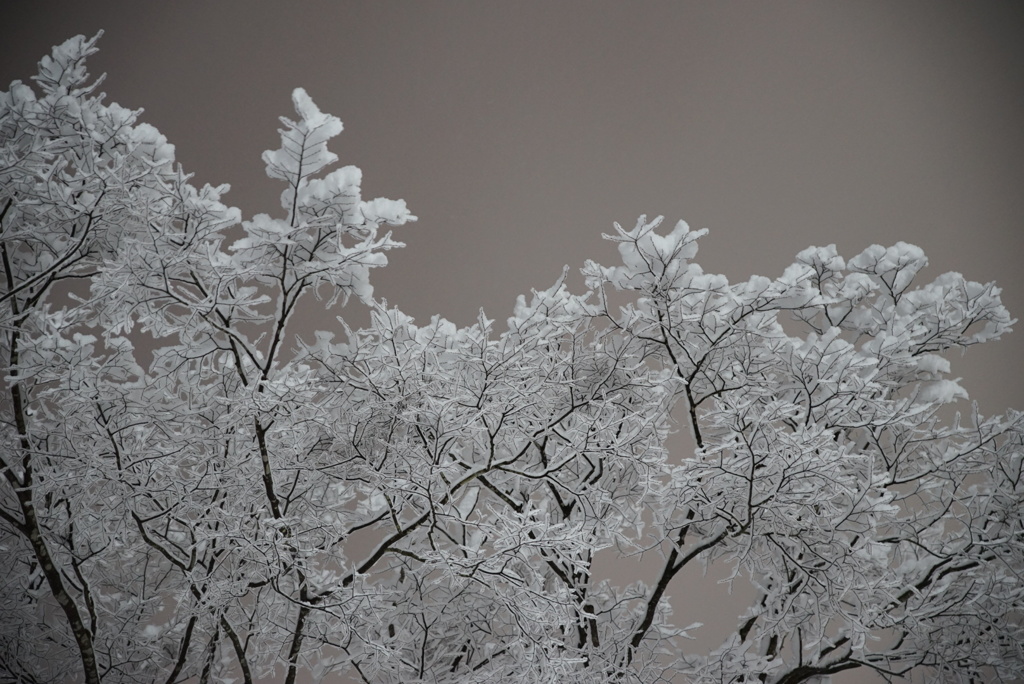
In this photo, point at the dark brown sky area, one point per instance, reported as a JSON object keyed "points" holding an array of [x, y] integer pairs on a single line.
{"points": [[519, 131]]}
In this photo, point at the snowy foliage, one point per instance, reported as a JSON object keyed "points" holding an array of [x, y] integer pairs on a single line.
{"points": [[193, 492]]}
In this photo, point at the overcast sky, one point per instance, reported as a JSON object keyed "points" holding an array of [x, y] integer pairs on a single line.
{"points": [[518, 132]]}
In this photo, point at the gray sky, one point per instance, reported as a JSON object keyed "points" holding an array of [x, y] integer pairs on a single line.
{"points": [[519, 131]]}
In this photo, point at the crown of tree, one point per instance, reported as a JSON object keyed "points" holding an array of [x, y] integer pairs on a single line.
{"points": [[193, 490]]}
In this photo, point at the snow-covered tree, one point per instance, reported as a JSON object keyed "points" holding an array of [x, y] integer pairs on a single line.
{"points": [[193, 491]]}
